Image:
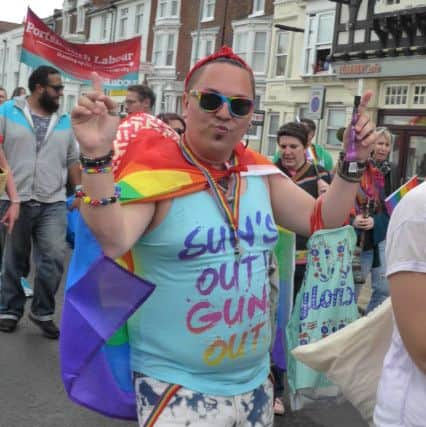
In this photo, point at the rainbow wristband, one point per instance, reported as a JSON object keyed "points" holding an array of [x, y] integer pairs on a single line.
{"points": [[87, 200], [96, 169]]}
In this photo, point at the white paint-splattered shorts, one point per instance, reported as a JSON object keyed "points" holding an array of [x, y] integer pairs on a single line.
{"points": [[166, 405]]}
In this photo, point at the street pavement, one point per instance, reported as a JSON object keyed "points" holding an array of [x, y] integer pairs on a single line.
{"points": [[32, 395]]}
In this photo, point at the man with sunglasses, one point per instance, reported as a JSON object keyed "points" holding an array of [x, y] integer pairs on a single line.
{"points": [[39, 145], [199, 346]]}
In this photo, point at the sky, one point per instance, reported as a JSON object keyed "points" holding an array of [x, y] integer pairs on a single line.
{"points": [[16, 10]]}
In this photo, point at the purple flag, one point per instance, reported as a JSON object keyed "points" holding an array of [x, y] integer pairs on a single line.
{"points": [[95, 307]]}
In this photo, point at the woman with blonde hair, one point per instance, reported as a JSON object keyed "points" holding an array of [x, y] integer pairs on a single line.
{"points": [[371, 218]]}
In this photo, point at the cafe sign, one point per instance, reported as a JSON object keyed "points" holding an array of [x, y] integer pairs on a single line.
{"points": [[385, 67]]}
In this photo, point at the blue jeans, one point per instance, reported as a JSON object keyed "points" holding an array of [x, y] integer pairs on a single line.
{"points": [[379, 283], [42, 225]]}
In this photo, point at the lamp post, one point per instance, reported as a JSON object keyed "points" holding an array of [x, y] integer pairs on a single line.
{"points": [[225, 14]]}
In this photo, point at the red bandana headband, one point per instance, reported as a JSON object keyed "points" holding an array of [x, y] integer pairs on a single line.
{"points": [[223, 52]]}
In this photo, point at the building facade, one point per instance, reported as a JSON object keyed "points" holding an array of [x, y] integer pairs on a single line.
{"points": [[185, 31], [382, 46], [299, 69]]}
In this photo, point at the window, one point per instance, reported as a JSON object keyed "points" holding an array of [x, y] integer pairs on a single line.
{"points": [[259, 52], [80, 18], [123, 22], [253, 130], [206, 45], [240, 45], [170, 53], [251, 40], [258, 7], [392, 2], [164, 50], [274, 124], [174, 8], [318, 42], [139, 18], [67, 24], [281, 53], [16, 79], [103, 27], [167, 9], [162, 8], [396, 95], [336, 118], [208, 10], [419, 95]]}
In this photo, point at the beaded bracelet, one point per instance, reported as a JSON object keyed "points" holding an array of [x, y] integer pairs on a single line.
{"points": [[87, 162], [96, 169], [87, 200]]}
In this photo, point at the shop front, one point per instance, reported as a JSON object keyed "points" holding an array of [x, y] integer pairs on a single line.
{"points": [[408, 128]]}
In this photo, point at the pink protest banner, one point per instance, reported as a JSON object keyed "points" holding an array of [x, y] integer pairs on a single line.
{"points": [[118, 63]]}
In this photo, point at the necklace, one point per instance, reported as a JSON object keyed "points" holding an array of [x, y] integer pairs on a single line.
{"points": [[226, 194]]}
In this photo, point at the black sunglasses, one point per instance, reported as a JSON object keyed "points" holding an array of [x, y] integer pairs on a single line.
{"points": [[213, 101], [56, 88]]}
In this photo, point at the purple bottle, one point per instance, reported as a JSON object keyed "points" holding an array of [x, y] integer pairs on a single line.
{"points": [[351, 149]]}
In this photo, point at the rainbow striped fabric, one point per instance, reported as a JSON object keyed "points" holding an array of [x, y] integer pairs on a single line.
{"points": [[101, 294], [311, 156], [392, 200]]}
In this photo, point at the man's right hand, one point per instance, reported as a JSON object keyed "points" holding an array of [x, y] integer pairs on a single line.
{"points": [[95, 120], [11, 216]]}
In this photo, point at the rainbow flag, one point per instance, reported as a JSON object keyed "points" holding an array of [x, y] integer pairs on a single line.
{"points": [[311, 155], [392, 200], [101, 294]]}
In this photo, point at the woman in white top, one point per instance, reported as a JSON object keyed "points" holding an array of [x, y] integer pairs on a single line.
{"points": [[401, 395]]}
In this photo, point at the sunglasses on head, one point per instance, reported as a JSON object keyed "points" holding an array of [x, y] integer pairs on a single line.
{"points": [[213, 101], [56, 88]]}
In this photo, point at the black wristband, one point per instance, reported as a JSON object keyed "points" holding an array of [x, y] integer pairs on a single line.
{"points": [[88, 162], [350, 171]]}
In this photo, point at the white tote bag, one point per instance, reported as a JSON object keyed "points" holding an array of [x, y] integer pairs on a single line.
{"points": [[352, 357]]}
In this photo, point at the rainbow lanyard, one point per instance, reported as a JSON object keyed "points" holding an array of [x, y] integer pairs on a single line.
{"points": [[230, 212]]}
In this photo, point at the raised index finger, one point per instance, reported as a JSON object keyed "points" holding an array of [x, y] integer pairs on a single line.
{"points": [[365, 99], [97, 82]]}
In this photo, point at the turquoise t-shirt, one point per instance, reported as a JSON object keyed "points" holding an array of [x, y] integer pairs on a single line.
{"points": [[207, 324]]}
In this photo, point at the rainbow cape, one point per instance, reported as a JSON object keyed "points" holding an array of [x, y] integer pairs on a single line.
{"points": [[393, 199], [101, 294]]}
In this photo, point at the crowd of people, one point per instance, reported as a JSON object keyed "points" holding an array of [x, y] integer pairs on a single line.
{"points": [[190, 242]]}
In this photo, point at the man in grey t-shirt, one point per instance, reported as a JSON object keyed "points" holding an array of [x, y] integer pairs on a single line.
{"points": [[40, 148]]}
